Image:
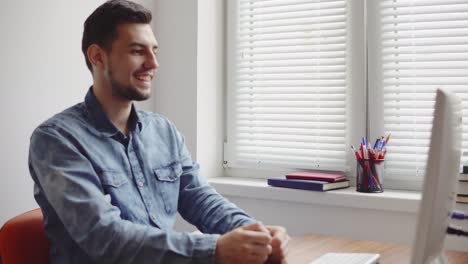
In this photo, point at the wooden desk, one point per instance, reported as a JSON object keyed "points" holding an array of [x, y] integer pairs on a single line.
{"points": [[303, 250]]}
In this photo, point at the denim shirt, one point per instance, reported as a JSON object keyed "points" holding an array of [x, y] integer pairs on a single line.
{"points": [[108, 198]]}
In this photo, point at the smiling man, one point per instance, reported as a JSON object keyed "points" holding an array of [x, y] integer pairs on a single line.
{"points": [[110, 178]]}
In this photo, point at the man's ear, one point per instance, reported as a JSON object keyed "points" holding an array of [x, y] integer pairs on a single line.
{"points": [[96, 56]]}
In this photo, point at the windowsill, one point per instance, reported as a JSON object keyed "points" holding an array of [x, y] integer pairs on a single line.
{"points": [[389, 200]]}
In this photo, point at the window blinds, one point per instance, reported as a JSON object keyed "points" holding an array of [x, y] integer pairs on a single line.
{"points": [[289, 93], [424, 45]]}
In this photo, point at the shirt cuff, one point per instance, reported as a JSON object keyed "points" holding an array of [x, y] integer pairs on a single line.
{"points": [[205, 247], [248, 221]]}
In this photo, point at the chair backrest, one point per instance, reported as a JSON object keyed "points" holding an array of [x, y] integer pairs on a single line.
{"points": [[23, 240]]}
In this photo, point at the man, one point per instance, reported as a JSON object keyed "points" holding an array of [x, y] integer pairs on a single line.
{"points": [[110, 179]]}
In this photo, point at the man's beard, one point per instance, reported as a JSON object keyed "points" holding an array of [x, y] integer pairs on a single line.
{"points": [[128, 92]]}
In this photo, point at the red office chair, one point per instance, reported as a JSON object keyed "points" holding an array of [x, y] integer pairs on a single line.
{"points": [[23, 240]]}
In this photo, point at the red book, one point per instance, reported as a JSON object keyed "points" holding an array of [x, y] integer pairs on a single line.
{"points": [[317, 176]]}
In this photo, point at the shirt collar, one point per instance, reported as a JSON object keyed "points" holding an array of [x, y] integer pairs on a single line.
{"points": [[99, 118]]}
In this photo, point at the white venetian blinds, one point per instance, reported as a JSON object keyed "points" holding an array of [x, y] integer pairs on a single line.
{"points": [[424, 45], [289, 88]]}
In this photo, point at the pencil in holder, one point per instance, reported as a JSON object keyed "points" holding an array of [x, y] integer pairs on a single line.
{"points": [[369, 175]]}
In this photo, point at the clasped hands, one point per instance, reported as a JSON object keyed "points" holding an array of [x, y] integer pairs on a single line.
{"points": [[254, 243]]}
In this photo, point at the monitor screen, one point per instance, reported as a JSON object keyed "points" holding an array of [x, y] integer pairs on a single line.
{"points": [[440, 182]]}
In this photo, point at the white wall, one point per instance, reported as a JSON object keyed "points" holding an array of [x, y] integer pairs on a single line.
{"points": [[42, 72], [175, 93], [190, 80], [210, 87]]}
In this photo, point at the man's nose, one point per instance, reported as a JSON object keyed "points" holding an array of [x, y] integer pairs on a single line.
{"points": [[151, 62]]}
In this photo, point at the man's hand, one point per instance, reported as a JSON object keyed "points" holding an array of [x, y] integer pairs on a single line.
{"points": [[279, 243], [246, 244]]}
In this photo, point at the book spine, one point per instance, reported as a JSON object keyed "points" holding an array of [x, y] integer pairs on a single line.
{"points": [[461, 198], [309, 178], [297, 185], [463, 177], [461, 207], [462, 187]]}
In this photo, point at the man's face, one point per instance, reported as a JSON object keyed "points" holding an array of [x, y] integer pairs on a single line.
{"points": [[131, 63]]}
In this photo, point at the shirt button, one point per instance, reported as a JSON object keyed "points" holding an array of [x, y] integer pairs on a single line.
{"points": [[153, 217], [141, 183]]}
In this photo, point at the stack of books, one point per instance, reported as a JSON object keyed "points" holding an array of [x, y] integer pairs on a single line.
{"points": [[312, 181], [462, 194], [462, 199]]}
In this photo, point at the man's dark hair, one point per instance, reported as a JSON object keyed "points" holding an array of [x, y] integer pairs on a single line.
{"points": [[101, 26]]}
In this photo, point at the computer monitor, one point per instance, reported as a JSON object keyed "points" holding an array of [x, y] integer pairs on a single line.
{"points": [[440, 182]]}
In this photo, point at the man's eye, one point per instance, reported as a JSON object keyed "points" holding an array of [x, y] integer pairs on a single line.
{"points": [[136, 52]]}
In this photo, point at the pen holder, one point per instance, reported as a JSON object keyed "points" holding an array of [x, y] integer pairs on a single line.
{"points": [[369, 175]]}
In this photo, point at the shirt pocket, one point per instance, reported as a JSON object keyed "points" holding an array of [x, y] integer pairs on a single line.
{"points": [[116, 185], [168, 181], [113, 179]]}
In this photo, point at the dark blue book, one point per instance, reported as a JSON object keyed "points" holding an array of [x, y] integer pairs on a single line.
{"points": [[320, 186]]}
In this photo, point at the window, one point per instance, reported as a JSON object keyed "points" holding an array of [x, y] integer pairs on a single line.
{"points": [[415, 48], [298, 86]]}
